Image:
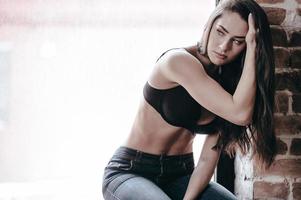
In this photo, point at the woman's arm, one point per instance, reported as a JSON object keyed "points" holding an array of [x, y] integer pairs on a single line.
{"points": [[204, 169], [183, 68]]}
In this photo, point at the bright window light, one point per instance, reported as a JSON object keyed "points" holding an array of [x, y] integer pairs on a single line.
{"points": [[77, 74]]}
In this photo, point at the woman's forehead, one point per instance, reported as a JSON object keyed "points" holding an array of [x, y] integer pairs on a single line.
{"points": [[233, 23]]}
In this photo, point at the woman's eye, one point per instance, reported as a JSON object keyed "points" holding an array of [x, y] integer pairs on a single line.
{"points": [[238, 42], [220, 33]]}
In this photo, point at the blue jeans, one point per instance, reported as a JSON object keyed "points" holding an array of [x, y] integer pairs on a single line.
{"points": [[135, 175]]}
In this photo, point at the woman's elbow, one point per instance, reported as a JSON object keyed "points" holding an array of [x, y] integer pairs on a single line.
{"points": [[243, 119]]}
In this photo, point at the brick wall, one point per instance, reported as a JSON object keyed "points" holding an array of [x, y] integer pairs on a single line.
{"points": [[283, 179]]}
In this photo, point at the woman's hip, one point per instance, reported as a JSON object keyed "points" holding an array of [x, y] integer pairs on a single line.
{"points": [[155, 167]]}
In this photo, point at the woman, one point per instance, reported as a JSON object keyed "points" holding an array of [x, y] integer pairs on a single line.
{"points": [[223, 86]]}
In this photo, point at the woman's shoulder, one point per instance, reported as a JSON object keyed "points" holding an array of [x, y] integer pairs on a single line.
{"points": [[177, 54], [179, 60]]}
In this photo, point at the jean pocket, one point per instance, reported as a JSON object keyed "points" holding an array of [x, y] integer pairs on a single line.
{"points": [[120, 165]]}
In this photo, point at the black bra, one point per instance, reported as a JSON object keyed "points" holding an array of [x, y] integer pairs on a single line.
{"points": [[178, 108]]}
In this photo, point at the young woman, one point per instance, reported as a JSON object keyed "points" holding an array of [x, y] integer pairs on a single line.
{"points": [[222, 87]]}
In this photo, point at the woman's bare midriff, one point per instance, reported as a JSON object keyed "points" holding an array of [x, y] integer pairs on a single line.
{"points": [[152, 134]]}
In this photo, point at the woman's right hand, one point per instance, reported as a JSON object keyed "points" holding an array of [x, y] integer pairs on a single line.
{"points": [[251, 34]]}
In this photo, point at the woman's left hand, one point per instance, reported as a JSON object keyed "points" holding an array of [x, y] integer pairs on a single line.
{"points": [[251, 34]]}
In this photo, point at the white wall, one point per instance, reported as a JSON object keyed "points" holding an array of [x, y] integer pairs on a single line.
{"points": [[75, 82]]}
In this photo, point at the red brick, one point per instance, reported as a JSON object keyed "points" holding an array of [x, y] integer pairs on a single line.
{"points": [[281, 102], [268, 190], [296, 58], [275, 15], [269, 1], [279, 37], [282, 57], [296, 105], [282, 167], [287, 125], [288, 80], [281, 147], [295, 148], [296, 190], [295, 38]]}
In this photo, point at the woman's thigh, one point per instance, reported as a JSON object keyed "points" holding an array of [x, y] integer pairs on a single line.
{"points": [[216, 191], [132, 187], [177, 188]]}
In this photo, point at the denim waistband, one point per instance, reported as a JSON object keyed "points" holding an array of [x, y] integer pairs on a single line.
{"points": [[159, 168], [133, 154]]}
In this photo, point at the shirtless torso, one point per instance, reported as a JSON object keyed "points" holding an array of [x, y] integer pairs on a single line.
{"points": [[151, 133]]}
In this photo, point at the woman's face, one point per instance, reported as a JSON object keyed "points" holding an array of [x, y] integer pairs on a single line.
{"points": [[227, 38]]}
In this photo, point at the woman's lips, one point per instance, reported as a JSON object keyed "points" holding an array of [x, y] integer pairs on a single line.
{"points": [[220, 56]]}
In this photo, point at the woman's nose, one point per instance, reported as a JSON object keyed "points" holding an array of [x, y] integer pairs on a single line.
{"points": [[224, 46]]}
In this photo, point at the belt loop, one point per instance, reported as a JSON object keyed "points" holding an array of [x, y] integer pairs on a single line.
{"points": [[161, 164], [138, 155], [161, 157]]}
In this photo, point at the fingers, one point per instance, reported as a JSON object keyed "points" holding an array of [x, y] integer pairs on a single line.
{"points": [[251, 22], [252, 33]]}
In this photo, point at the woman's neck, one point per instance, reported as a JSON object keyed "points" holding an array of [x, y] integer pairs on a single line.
{"points": [[208, 65]]}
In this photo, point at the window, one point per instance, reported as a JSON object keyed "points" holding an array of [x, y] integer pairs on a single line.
{"points": [[4, 83], [78, 71]]}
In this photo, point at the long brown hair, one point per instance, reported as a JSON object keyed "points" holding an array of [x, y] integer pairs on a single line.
{"points": [[260, 134]]}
